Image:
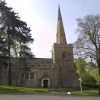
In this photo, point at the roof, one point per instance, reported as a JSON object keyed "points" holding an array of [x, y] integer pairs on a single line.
{"points": [[35, 62]]}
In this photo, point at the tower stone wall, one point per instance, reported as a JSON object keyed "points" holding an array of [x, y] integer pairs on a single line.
{"points": [[68, 76]]}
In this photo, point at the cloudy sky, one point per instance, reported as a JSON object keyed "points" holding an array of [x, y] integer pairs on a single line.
{"points": [[41, 16]]}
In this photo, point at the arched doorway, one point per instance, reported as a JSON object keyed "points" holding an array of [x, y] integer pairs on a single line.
{"points": [[45, 83]]}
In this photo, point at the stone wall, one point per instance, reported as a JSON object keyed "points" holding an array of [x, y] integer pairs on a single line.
{"points": [[38, 75], [4, 77], [67, 71], [61, 73]]}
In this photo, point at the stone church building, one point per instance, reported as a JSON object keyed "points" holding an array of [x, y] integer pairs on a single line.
{"points": [[59, 71]]}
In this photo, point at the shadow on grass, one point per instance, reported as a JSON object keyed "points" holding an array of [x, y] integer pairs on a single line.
{"points": [[8, 90]]}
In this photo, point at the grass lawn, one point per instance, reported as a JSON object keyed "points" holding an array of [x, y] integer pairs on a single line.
{"points": [[86, 93], [12, 89], [76, 91]]}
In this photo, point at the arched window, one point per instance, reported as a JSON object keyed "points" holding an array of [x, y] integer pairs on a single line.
{"points": [[63, 54]]}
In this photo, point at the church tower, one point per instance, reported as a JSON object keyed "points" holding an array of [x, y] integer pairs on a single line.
{"points": [[62, 56]]}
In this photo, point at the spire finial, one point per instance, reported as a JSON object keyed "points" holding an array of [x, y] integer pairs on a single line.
{"points": [[58, 4]]}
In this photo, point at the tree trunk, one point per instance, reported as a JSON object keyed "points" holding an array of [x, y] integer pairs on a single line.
{"points": [[99, 81], [98, 61], [18, 72], [22, 75], [9, 64], [1, 75], [9, 70]]}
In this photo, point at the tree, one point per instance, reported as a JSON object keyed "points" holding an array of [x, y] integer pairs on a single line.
{"points": [[80, 66], [24, 54], [95, 73], [7, 24], [16, 33], [88, 42], [83, 70]]}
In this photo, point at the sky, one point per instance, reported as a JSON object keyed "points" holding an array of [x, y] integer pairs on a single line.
{"points": [[41, 17]]}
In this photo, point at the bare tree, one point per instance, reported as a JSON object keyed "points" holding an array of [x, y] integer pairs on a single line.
{"points": [[88, 42]]}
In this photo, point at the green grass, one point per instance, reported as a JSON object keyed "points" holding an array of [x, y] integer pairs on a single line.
{"points": [[12, 89], [67, 89], [76, 91], [86, 93]]}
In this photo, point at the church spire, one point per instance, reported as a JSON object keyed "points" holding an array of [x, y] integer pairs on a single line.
{"points": [[60, 36]]}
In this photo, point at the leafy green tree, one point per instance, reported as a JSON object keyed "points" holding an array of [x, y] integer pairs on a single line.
{"points": [[88, 42], [95, 73], [89, 80], [81, 66], [84, 69]]}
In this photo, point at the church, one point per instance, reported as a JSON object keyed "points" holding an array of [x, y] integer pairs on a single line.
{"points": [[59, 71]]}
